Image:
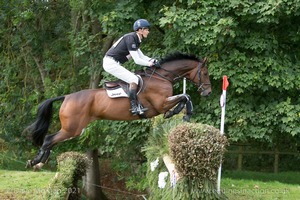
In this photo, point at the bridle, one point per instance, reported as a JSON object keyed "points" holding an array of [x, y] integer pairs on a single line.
{"points": [[200, 86]]}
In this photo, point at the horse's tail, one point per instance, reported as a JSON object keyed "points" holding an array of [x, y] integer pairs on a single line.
{"points": [[39, 128]]}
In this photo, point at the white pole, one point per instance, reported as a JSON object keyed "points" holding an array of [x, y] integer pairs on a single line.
{"points": [[184, 85], [223, 104]]}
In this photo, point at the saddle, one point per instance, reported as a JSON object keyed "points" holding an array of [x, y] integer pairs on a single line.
{"points": [[119, 88]]}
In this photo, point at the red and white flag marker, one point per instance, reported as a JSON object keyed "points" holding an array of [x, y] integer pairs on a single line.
{"points": [[223, 104]]}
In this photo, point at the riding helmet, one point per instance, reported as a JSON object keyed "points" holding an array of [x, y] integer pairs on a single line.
{"points": [[140, 23]]}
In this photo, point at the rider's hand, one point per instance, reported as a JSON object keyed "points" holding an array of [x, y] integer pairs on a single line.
{"points": [[156, 64]]}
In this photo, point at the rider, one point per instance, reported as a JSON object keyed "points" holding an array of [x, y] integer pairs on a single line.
{"points": [[125, 48]]}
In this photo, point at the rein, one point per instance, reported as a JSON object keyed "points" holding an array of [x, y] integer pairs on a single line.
{"points": [[155, 72], [177, 77]]}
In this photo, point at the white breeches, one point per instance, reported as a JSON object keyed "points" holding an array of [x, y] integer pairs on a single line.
{"points": [[113, 67]]}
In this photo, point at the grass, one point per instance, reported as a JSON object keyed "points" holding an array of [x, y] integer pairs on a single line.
{"points": [[261, 186], [236, 185], [23, 184]]}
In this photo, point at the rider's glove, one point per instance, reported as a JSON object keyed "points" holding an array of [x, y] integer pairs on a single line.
{"points": [[156, 64]]}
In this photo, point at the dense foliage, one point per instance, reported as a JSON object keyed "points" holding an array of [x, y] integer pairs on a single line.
{"points": [[254, 43], [49, 48]]}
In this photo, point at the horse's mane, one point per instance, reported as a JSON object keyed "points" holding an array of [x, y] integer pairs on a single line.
{"points": [[178, 56]]}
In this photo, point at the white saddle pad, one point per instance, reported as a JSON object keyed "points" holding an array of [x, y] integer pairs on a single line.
{"points": [[116, 93]]}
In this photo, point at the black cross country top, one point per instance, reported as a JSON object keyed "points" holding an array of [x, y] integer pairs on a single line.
{"points": [[120, 49]]}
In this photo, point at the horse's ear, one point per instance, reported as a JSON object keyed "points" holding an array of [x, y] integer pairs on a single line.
{"points": [[205, 61]]}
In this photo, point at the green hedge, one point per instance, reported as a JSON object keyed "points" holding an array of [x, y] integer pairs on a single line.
{"points": [[196, 150], [71, 167]]}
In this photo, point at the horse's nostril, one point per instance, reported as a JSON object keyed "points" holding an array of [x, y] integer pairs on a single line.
{"points": [[205, 93]]}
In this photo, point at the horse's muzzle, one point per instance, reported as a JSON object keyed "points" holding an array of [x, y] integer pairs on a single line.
{"points": [[205, 93]]}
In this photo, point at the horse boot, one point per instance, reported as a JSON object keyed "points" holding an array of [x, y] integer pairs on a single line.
{"points": [[135, 107]]}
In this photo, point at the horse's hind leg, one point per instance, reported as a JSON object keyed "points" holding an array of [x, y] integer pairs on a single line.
{"points": [[44, 152]]}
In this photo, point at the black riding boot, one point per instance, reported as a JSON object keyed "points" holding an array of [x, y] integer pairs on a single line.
{"points": [[136, 108], [133, 98]]}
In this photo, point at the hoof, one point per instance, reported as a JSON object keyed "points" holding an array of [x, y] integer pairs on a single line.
{"points": [[38, 167], [168, 114], [186, 118]]}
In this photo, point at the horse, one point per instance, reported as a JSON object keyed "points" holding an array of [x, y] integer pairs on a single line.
{"points": [[156, 94]]}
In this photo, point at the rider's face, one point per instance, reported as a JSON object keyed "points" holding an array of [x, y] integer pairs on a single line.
{"points": [[144, 32]]}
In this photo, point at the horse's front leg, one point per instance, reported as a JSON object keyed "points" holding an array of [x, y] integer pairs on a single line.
{"points": [[180, 101]]}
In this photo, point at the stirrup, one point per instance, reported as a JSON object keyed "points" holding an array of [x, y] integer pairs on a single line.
{"points": [[134, 111], [139, 109]]}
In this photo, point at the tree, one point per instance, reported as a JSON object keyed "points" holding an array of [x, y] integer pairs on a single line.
{"points": [[256, 44], [34, 59]]}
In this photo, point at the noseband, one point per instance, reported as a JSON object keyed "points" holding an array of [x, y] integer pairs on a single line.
{"points": [[200, 85]]}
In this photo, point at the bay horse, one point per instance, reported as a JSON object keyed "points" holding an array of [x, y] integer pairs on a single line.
{"points": [[81, 108]]}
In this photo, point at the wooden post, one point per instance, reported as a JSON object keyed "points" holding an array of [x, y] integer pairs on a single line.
{"points": [[240, 158], [170, 166]]}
